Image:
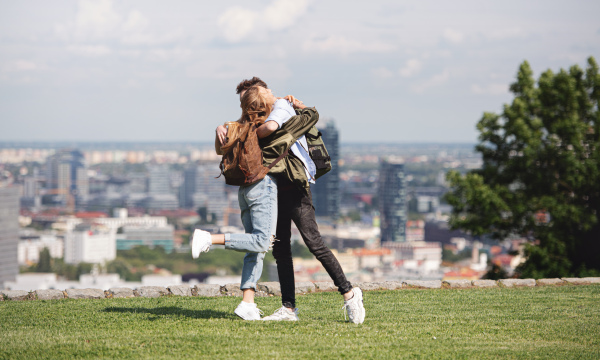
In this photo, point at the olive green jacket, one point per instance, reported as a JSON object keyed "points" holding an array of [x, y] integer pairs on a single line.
{"points": [[290, 167]]}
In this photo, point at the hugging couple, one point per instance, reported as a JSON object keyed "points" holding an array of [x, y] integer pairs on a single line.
{"points": [[269, 206]]}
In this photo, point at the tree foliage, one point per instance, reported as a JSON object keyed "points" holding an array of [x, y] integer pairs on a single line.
{"points": [[44, 265], [541, 173], [58, 266]]}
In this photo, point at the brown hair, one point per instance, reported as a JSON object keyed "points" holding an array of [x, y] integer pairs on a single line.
{"points": [[254, 106], [248, 83], [255, 109]]}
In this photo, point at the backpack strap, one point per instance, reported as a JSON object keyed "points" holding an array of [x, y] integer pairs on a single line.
{"points": [[313, 137], [278, 159]]}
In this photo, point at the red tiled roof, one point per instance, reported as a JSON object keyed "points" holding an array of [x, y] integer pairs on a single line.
{"points": [[502, 259], [495, 250], [175, 213], [371, 252], [90, 215]]}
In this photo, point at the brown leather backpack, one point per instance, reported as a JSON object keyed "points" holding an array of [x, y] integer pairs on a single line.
{"points": [[242, 162]]}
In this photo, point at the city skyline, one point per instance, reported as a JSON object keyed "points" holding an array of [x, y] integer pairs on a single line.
{"points": [[387, 71]]}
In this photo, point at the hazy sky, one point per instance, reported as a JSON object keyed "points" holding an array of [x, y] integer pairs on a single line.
{"points": [[390, 71]]}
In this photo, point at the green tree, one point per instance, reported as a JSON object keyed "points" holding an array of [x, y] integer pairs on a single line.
{"points": [[44, 264], [123, 268], [61, 268], [202, 214], [496, 272], [299, 249], [541, 173]]}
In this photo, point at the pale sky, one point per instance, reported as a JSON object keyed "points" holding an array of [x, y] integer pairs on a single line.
{"points": [[386, 71]]}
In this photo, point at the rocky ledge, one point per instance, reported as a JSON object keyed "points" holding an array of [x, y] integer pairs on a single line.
{"points": [[273, 289]]}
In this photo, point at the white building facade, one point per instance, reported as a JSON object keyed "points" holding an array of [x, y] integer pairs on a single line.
{"points": [[29, 249], [90, 243]]}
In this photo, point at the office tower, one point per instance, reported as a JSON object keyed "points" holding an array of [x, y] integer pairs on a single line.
{"points": [[31, 196], [29, 187], [188, 188], [158, 180], [203, 188], [326, 190], [9, 233], [159, 189], [392, 200], [66, 177]]}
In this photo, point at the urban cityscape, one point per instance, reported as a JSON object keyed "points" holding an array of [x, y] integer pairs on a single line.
{"points": [[299, 179], [74, 215]]}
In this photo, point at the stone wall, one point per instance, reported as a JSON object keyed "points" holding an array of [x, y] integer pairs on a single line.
{"points": [[273, 289]]}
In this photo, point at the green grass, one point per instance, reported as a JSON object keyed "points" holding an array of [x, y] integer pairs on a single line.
{"points": [[542, 322]]}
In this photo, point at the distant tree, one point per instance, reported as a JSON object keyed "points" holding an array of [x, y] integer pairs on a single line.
{"points": [[84, 268], [541, 173], [299, 249], [65, 270], [449, 256], [44, 264], [144, 253], [496, 272], [202, 214], [123, 268], [353, 216]]}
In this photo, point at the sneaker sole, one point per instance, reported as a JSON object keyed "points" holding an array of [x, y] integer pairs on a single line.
{"points": [[244, 317], [279, 319], [196, 243], [361, 317]]}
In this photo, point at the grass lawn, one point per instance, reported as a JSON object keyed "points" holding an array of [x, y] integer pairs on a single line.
{"points": [[542, 322]]}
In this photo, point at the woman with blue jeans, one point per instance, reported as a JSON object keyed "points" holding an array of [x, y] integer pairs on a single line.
{"points": [[258, 205]]}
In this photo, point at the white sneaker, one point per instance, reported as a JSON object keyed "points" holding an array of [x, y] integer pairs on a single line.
{"points": [[201, 242], [248, 311], [355, 307], [283, 314]]}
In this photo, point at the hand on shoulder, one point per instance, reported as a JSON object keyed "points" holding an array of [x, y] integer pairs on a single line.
{"points": [[297, 104]]}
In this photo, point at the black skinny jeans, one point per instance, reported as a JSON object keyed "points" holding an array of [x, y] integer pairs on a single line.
{"points": [[295, 205]]}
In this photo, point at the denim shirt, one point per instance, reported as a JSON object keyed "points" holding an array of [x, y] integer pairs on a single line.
{"points": [[282, 112]]}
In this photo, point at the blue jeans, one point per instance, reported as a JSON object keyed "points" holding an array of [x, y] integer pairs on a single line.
{"points": [[258, 204]]}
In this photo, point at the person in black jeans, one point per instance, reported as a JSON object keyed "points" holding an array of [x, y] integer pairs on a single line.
{"points": [[296, 205]]}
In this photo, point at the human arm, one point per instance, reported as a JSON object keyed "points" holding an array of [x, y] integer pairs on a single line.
{"points": [[282, 112], [266, 129], [298, 125], [220, 135], [297, 104]]}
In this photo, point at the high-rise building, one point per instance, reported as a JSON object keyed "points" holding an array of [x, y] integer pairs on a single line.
{"points": [[159, 189], [203, 188], [66, 176], [326, 190], [9, 233], [158, 180], [188, 188], [30, 196], [392, 200]]}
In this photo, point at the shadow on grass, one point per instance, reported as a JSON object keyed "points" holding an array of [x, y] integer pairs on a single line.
{"points": [[159, 312]]}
